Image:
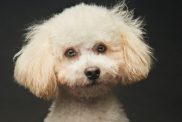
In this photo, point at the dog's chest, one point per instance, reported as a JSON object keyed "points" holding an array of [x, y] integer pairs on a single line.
{"points": [[107, 110]]}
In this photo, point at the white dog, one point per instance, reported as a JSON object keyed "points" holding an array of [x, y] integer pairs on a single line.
{"points": [[78, 56]]}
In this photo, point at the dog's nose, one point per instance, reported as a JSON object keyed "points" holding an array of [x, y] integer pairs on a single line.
{"points": [[92, 73]]}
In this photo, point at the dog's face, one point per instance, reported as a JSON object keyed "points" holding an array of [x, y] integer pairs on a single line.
{"points": [[89, 66], [86, 49], [89, 59]]}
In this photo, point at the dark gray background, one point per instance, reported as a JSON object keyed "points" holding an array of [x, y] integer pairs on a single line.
{"points": [[157, 99]]}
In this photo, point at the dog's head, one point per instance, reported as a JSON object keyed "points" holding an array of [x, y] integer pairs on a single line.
{"points": [[88, 49]]}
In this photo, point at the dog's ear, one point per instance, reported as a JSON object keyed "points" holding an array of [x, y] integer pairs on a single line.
{"points": [[34, 67], [137, 58], [136, 54]]}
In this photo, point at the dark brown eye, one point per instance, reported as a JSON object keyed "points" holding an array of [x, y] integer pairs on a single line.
{"points": [[101, 48], [70, 53]]}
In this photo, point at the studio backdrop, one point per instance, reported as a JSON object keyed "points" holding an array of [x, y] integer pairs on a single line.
{"points": [[156, 99]]}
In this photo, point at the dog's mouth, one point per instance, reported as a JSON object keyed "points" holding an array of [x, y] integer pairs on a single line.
{"points": [[93, 83]]}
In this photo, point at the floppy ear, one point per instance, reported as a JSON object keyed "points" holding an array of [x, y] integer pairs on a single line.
{"points": [[136, 54], [137, 57], [34, 67]]}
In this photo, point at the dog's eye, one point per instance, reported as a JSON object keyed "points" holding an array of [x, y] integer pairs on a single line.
{"points": [[70, 52], [101, 48]]}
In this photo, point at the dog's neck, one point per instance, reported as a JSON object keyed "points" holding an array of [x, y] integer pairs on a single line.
{"points": [[68, 108]]}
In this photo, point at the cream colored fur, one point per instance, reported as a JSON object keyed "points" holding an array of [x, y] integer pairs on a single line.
{"points": [[67, 108], [43, 68]]}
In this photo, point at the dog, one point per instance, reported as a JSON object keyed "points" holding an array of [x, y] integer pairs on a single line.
{"points": [[78, 56]]}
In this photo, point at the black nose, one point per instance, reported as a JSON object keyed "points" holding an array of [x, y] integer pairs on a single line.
{"points": [[92, 73]]}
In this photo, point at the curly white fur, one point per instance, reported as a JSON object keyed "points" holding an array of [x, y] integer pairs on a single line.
{"points": [[43, 68]]}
